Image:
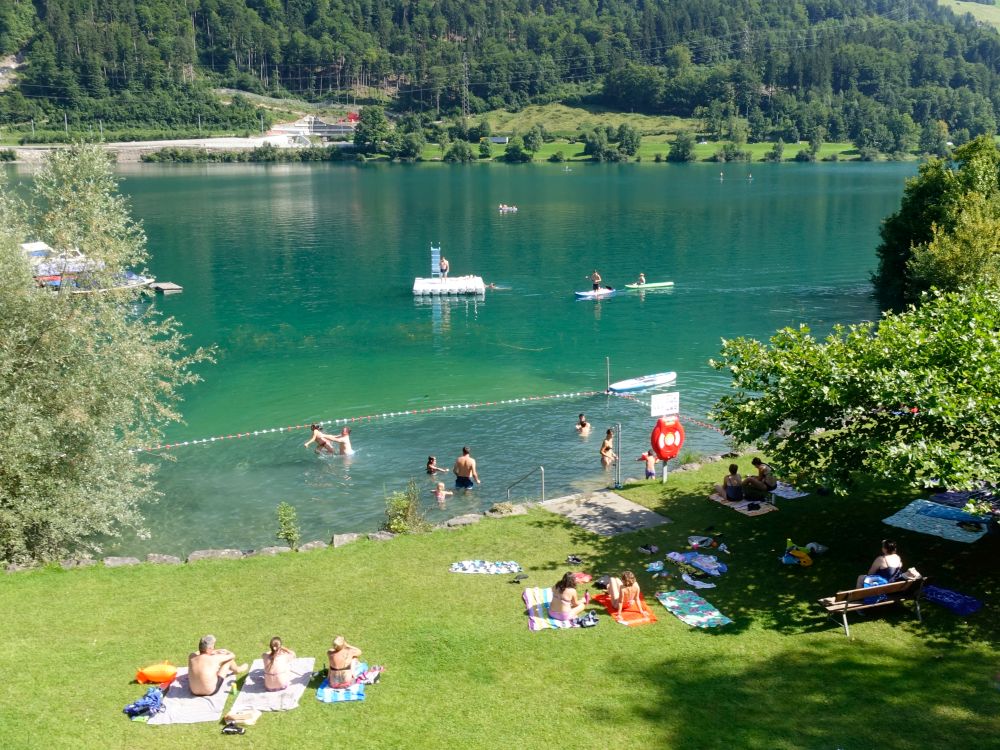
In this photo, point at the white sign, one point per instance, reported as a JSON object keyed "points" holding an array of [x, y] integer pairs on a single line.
{"points": [[665, 404]]}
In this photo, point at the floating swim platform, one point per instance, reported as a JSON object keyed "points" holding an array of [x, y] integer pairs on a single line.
{"points": [[596, 293], [646, 381], [451, 285], [653, 285]]}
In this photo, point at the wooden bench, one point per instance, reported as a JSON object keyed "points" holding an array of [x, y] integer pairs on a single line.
{"points": [[853, 600]]}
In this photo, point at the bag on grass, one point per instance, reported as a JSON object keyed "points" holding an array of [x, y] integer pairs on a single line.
{"points": [[589, 620], [871, 582], [151, 703]]}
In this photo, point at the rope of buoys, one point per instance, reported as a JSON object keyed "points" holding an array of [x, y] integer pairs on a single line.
{"points": [[365, 418], [682, 417]]}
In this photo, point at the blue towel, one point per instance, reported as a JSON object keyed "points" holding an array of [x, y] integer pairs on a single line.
{"points": [[960, 604], [935, 510], [327, 694]]}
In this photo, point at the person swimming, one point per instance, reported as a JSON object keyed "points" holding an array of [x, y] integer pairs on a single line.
{"points": [[322, 440], [344, 440]]}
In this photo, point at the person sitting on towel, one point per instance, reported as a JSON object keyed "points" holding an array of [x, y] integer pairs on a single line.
{"points": [[731, 489], [277, 665], [209, 667], [764, 482], [344, 663], [565, 604], [624, 593], [888, 565]]}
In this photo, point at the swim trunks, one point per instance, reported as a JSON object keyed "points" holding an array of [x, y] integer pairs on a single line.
{"points": [[650, 474], [464, 483]]}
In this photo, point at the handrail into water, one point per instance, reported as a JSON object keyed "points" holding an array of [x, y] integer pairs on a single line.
{"points": [[541, 469]]}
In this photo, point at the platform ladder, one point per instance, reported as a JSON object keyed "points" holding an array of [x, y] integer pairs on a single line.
{"points": [[435, 261]]}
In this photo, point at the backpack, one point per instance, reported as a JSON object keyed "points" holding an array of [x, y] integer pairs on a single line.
{"points": [[151, 703]]}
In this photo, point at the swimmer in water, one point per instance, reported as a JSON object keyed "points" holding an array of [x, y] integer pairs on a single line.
{"points": [[608, 455], [441, 494], [344, 440], [323, 441], [583, 426], [433, 468]]}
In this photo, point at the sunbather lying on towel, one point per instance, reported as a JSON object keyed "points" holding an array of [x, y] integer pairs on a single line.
{"points": [[209, 667], [624, 593], [277, 665], [565, 604], [344, 663]]}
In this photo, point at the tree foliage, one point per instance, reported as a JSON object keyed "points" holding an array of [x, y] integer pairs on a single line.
{"points": [[915, 397], [84, 379], [372, 129]]}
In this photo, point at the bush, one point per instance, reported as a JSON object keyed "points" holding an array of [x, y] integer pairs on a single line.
{"points": [[558, 156], [7, 154], [459, 152], [806, 156], [658, 157], [731, 152], [403, 514], [288, 525]]}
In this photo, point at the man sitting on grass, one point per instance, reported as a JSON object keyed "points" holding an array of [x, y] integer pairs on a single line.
{"points": [[209, 667]]}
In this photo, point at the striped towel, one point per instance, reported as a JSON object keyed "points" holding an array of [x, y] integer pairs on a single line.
{"points": [[536, 601], [630, 614], [691, 609], [327, 694], [788, 492], [501, 567]]}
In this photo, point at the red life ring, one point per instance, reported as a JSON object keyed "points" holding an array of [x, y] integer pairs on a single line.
{"points": [[667, 438]]}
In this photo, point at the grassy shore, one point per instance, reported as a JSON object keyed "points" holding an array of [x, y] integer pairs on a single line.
{"points": [[464, 671]]}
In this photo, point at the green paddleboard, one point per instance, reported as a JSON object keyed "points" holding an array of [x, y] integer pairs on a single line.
{"points": [[654, 285]]}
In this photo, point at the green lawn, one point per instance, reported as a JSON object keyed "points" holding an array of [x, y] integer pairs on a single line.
{"points": [[988, 14], [463, 670]]}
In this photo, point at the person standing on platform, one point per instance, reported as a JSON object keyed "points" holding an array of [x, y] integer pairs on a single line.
{"points": [[595, 279], [444, 266]]}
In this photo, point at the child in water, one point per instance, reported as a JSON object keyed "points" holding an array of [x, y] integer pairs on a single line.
{"points": [[440, 493]]}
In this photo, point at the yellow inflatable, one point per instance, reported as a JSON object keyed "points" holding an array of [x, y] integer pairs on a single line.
{"points": [[158, 673]]}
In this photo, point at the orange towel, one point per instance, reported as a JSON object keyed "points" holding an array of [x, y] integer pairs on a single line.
{"points": [[630, 614]]}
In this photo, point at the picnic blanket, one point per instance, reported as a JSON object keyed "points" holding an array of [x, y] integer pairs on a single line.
{"points": [[912, 519], [959, 498], [705, 563], [743, 506], [501, 567], [691, 609], [787, 491], [537, 601], [254, 695], [181, 707], [630, 614]]}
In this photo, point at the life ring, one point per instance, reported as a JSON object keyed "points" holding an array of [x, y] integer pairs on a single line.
{"points": [[157, 673], [667, 438]]}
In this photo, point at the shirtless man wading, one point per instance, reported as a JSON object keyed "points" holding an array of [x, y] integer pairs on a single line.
{"points": [[465, 471], [209, 667]]}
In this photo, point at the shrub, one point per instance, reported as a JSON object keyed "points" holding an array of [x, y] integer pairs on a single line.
{"points": [[403, 514], [805, 156], [731, 152], [7, 154], [558, 156], [288, 525]]}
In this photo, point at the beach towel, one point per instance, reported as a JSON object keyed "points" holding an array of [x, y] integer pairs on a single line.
{"points": [[327, 694], [536, 601], [254, 695], [958, 603], [947, 513], [706, 563], [959, 498], [502, 567], [787, 492], [912, 519], [181, 707], [686, 577], [691, 609], [630, 614], [744, 505]]}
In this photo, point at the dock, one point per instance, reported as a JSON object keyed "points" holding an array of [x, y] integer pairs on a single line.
{"points": [[451, 285], [166, 287]]}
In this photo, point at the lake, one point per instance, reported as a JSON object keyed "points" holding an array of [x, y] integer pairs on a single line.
{"points": [[302, 275]]}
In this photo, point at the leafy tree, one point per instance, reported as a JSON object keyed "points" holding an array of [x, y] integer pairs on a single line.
{"points": [[558, 157], [934, 138], [516, 153], [595, 143], [533, 139], [485, 150], [777, 151], [372, 129], [412, 146], [629, 139], [461, 152], [915, 397], [682, 149], [84, 379]]}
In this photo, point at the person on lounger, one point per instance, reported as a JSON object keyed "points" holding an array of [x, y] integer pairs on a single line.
{"points": [[624, 593], [888, 565], [565, 604], [277, 665], [765, 480], [209, 667], [344, 663], [731, 489]]}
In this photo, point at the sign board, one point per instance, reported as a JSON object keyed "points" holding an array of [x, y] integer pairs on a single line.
{"points": [[665, 404]]}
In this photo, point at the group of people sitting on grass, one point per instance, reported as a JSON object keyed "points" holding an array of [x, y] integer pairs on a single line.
{"points": [[567, 605], [735, 487], [209, 666]]}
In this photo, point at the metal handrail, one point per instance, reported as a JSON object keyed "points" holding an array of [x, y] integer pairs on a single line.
{"points": [[512, 486]]}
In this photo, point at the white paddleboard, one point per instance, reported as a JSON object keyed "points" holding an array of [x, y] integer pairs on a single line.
{"points": [[646, 381]]}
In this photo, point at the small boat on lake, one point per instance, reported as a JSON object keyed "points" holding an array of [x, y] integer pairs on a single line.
{"points": [[505, 209], [651, 285], [73, 270], [644, 383], [597, 293]]}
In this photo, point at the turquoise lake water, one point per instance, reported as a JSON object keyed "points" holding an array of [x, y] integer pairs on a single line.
{"points": [[302, 276]]}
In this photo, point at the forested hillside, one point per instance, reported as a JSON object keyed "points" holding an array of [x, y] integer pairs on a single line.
{"points": [[873, 71]]}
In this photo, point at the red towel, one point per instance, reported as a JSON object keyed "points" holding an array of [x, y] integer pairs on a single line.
{"points": [[630, 614]]}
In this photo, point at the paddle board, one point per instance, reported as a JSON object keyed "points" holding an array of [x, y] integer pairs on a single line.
{"points": [[646, 381], [595, 294], [653, 285]]}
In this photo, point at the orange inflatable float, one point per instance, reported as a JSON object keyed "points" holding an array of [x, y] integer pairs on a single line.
{"points": [[157, 673]]}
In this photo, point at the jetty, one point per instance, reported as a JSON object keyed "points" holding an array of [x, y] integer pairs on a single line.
{"points": [[439, 284], [166, 287]]}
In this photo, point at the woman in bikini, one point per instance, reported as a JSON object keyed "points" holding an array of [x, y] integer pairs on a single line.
{"points": [[322, 440], [765, 480], [277, 666], [565, 604], [344, 663], [624, 593], [608, 455], [731, 489]]}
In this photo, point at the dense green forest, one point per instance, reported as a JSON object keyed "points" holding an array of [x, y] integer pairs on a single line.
{"points": [[885, 74]]}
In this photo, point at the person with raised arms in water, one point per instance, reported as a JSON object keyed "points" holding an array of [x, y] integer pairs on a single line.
{"points": [[465, 471], [323, 441], [583, 426], [344, 441], [433, 468], [608, 455], [209, 666]]}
